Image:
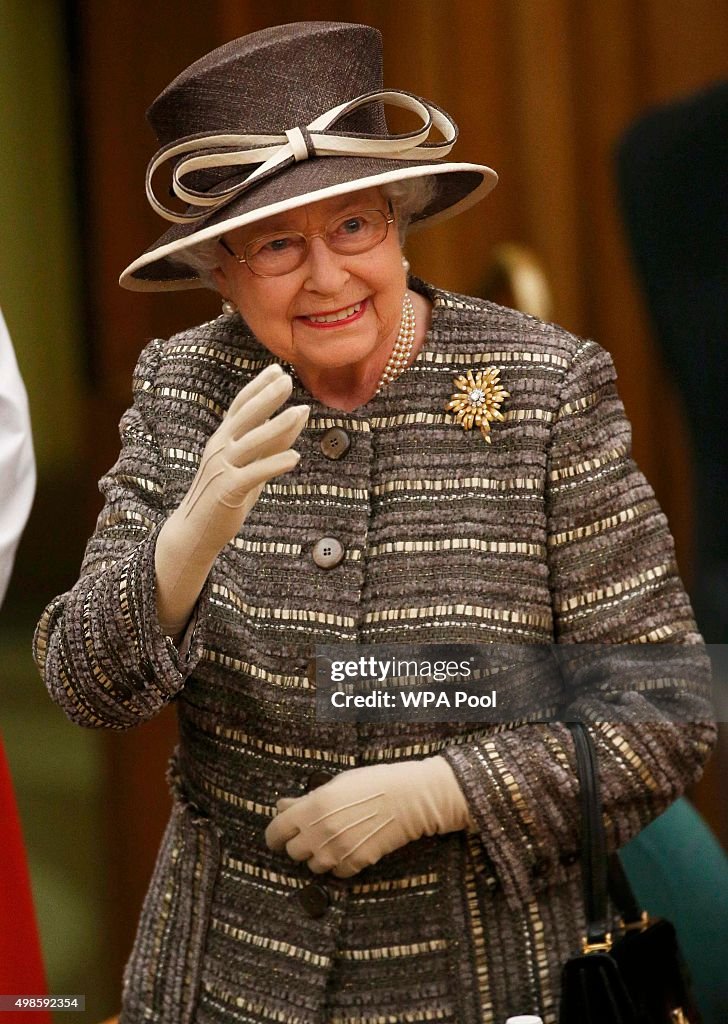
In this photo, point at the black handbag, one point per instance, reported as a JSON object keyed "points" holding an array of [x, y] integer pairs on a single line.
{"points": [[637, 976]]}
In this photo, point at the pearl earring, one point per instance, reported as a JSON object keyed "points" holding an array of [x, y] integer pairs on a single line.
{"points": [[406, 264], [229, 307]]}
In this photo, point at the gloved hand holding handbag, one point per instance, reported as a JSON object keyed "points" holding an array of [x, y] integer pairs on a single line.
{"points": [[364, 813]]}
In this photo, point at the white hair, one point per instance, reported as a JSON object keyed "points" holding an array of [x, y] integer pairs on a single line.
{"points": [[408, 196]]}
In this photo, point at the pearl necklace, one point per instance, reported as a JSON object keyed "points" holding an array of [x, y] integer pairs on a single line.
{"points": [[402, 351]]}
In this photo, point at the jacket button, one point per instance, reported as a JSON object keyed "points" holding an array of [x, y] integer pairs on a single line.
{"points": [[318, 778], [315, 899], [335, 443], [328, 552]]}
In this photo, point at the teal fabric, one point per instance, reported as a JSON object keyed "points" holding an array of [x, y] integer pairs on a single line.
{"points": [[679, 871]]}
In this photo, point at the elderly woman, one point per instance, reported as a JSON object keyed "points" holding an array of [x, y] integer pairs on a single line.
{"points": [[303, 471]]}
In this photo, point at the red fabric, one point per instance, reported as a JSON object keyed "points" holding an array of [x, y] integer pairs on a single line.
{"points": [[21, 963]]}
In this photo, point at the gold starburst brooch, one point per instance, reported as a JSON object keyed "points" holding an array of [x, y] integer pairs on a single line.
{"points": [[478, 399]]}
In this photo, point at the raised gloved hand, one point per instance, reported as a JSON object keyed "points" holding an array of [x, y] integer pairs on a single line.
{"points": [[246, 451], [364, 813]]}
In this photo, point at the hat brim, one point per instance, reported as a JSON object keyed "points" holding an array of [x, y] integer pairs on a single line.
{"points": [[458, 186]]}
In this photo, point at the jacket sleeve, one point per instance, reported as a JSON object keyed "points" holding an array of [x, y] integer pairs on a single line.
{"points": [[99, 647], [613, 581]]}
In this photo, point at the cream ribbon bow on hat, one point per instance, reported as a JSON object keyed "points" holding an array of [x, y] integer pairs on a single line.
{"points": [[272, 153]]}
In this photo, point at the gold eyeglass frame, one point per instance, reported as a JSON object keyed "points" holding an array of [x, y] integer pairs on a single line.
{"points": [[388, 219]]}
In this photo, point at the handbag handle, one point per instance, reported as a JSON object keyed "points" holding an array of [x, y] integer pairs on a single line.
{"points": [[602, 876], [594, 843]]}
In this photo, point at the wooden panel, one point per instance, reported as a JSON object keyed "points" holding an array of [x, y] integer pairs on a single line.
{"points": [[546, 149], [684, 46], [122, 74]]}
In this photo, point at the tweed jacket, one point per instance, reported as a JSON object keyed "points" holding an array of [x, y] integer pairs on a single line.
{"points": [[548, 533]]}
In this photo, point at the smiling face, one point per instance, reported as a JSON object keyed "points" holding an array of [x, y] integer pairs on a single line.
{"points": [[335, 311]]}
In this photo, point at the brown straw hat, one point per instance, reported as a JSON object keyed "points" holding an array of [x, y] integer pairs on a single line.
{"points": [[280, 118]]}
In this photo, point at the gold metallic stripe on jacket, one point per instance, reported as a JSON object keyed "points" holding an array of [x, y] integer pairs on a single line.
{"points": [[181, 455], [244, 867], [608, 523], [663, 632], [127, 517], [521, 415], [470, 610], [438, 1015], [628, 754], [385, 952], [506, 777], [447, 303], [318, 491], [393, 884], [70, 690], [272, 945], [218, 355], [586, 346], [548, 360], [589, 465], [41, 634], [262, 1012], [100, 565], [406, 419], [258, 547], [425, 748], [613, 604], [307, 753], [581, 404], [98, 673], [558, 753], [415, 629], [160, 925], [598, 477], [525, 483], [141, 483], [133, 428], [195, 397], [326, 422], [235, 800], [475, 920], [539, 953], [126, 614], [255, 671], [500, 547], [624, 587], [286, 614]]}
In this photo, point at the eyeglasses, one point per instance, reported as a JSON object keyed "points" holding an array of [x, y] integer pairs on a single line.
{"points": [[285, 251]]}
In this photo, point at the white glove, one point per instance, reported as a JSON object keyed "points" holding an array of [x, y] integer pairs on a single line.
{"points": [[364, 813], [246, 451]]}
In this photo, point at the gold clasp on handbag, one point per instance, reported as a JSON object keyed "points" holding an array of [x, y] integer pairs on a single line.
{"points": [[597, 947], [637, 926]]}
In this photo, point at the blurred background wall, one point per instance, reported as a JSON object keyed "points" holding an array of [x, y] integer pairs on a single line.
{"points": [[541, 90]]}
